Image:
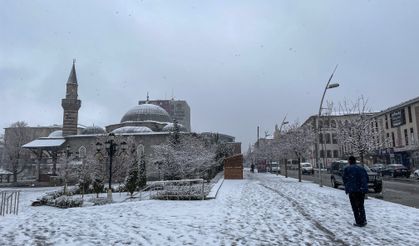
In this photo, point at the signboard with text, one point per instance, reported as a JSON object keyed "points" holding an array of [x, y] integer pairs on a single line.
{"points": [[398, 118]]}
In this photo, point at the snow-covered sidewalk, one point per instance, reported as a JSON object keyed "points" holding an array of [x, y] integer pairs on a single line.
{"points": [[263, 209]]}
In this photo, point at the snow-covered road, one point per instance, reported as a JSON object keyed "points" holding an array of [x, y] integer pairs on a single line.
{"points": [[263, 209]]}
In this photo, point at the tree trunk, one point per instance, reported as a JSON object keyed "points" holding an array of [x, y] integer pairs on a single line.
{"points": [[299, 169], [14, 177]]}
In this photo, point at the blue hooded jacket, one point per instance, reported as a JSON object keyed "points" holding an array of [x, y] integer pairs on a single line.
{"points": [[355, 179]]}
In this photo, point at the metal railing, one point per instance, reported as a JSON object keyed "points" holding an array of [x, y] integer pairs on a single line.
{"points": [[9, 202]]}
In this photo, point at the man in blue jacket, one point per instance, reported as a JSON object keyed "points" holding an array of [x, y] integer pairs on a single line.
{"points": [[355, 179]]}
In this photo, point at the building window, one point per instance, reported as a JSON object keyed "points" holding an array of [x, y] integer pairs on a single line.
{"points": [[335, 153], [82, 152], [386, 120], [329, 154], [321, 153], [334, 138], [326, 123], [320, 124], [321, 138], [393, 140], [327, 135], [406, 137], [412, 136], [333, 124], [409, 111]]}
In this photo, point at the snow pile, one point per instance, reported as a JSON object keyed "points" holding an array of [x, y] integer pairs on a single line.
{"points": [[263, 209]]}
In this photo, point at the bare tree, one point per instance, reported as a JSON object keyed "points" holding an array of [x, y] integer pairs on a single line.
{"points": [[297, 142], [190, 157], [16, 157], [359, 134]]}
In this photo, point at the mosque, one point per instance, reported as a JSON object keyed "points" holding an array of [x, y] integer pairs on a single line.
{"points": [[147, 123]]}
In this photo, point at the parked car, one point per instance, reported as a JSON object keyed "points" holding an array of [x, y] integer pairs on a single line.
{"points": [[374, 179], [307, 168], [416, 173], [378, 168], [274, 167], [396, 170]]}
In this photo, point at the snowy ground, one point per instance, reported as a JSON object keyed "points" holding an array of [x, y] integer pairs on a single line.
{"points": [[263, 209]]}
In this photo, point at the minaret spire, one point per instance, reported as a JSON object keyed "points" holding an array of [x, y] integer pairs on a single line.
{"points": [[71, 104], [72, 79]]}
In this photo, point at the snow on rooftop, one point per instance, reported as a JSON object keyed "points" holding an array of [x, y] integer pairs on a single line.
{"points": [[44, 142], [5, 172]]}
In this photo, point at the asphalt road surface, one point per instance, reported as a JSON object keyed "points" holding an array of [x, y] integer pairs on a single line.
{"points": [[399, 190]]}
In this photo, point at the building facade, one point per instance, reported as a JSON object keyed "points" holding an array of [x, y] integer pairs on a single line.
{"points": [[399, 126], [178, 110], [329, 149]]}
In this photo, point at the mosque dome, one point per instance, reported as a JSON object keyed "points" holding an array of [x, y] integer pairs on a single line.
{"points": [[56, 134], [146, 112], [93, 130], [171, 127], [132, 129]]}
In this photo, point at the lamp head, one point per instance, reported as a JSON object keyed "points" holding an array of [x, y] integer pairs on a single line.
{"points": [[111, 136], [334, 85]]}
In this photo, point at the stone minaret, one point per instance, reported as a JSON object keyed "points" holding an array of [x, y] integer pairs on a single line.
{"points": [[71, 104]]}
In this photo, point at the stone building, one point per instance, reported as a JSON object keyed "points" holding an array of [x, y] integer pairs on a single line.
{"points": [[400, 133], [146, 124]]}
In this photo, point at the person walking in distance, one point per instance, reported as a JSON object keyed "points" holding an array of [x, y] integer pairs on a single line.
{"points": [[355, 179]]}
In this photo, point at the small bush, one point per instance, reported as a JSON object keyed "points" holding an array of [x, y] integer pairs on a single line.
{"points": [[99, 201], [68, 202]]}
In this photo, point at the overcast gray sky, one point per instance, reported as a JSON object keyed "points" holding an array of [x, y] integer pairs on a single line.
{"points": [[239, 64]]}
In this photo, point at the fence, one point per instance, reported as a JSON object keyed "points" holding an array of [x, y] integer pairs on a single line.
{"points": [[186, 189], [9, 202]]}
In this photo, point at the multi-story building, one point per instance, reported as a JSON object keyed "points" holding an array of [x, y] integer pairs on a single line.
{"points": [[399, 126], [178, 110], [329, 149]]}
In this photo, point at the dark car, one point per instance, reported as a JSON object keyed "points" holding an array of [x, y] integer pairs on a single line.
{"points": [[396, 170], [374, 179], [378, 168]]}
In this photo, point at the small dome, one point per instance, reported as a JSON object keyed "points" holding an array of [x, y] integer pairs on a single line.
{"points": [[146, 112], [171, 127], [56, 134], [131, 129], [93, 130]]}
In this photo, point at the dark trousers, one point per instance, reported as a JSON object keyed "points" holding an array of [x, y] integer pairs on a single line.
{"points": [[357, 203]]}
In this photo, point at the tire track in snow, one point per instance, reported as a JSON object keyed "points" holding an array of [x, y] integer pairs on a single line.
{"points": [[302, 211]]}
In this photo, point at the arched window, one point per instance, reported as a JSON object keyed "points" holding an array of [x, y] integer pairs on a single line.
{"points": [[82, 152]]}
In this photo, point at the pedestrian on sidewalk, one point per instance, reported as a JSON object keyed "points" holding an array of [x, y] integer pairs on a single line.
{"points": [[355, 179]]}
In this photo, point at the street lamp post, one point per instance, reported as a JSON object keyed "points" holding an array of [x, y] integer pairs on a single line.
{"points": [[111, 149], [280, 129], [328, 86], [67, 156]]}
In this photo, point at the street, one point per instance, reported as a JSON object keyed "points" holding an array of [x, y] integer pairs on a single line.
{"points": [[402, 191]]}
